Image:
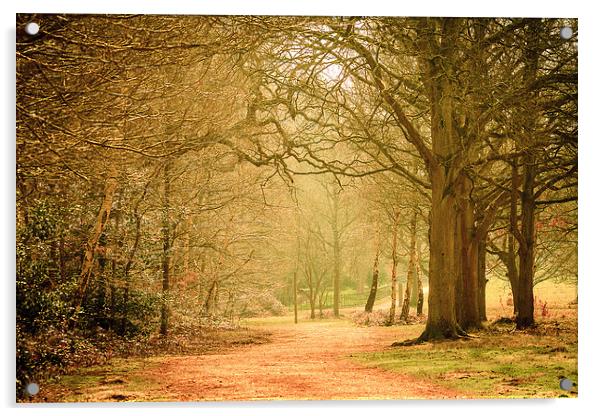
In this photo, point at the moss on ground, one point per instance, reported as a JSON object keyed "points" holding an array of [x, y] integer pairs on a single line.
{"points": [[492, 366]]}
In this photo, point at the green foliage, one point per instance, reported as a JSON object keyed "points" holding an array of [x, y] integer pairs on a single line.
{"points": [[110, 311], [50, 337], [42, 297]]}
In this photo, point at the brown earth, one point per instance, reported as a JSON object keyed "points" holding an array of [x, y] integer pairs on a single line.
{"points": [[309, 361]]}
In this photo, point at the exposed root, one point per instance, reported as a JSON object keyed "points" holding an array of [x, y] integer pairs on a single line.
{"points": [[430, 335], [504, 320], [408, 342]]}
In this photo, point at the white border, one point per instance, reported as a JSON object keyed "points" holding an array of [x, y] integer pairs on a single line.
{"points": [[590, 155]]}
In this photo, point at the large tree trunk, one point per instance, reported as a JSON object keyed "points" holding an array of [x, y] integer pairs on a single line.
{"points": [[513, 225], [92, 243], [467, 305], [396, 217], [526, 249], [441, 322], [482, 278], [444, 168], [525, 305]]}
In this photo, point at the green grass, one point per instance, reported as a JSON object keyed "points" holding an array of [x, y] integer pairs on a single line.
{"points": [[350, 298], [104, 382], [288, 320], [516, 365]]}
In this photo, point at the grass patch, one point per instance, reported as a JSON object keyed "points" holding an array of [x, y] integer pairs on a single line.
{"points": [[117, 381], [492, 366], [288, 320]]}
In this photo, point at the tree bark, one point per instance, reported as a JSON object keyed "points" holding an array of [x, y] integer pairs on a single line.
{"points": [[405, 309], [165, 262], [441, 322], [312, 304], [374, 285], [400, 294], [482, 267], [295, 296], [420, 300], [209, 305], [334, 196], [336, 284], [92, 243], [525, 315], [130, 260], [116, 252], [396, 217], [513, 225], [467, 304], [444, 168]]}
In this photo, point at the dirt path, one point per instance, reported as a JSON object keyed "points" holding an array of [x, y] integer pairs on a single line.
{"points": [[308, 361]]}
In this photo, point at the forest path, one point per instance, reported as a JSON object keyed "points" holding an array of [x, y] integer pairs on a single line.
{"points": [[311, 360]]}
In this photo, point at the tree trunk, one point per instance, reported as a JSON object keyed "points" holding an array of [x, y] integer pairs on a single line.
{"points": [[400, 294], [92, 243], [420, 301], [130, 261], [102, 280], [467, 304], [215, 300], [397, 216], [187, 247], [113, 295], [115, 253], [526, 249], [441, 322], [374, 285], [444, 169], [312, 305], [209, 306], [295, 296], [336, 284], [482, 267], [336, 247], [321, 303], [525, 303], [165, 263], [513, 225], [405, 309]]}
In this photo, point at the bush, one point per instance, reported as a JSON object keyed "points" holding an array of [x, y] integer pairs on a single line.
{"points": [[381, 318], [264, 304], [375, 318]]}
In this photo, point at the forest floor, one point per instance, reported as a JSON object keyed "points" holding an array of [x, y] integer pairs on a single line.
{"points": [[335, 359], [312, 360]]}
